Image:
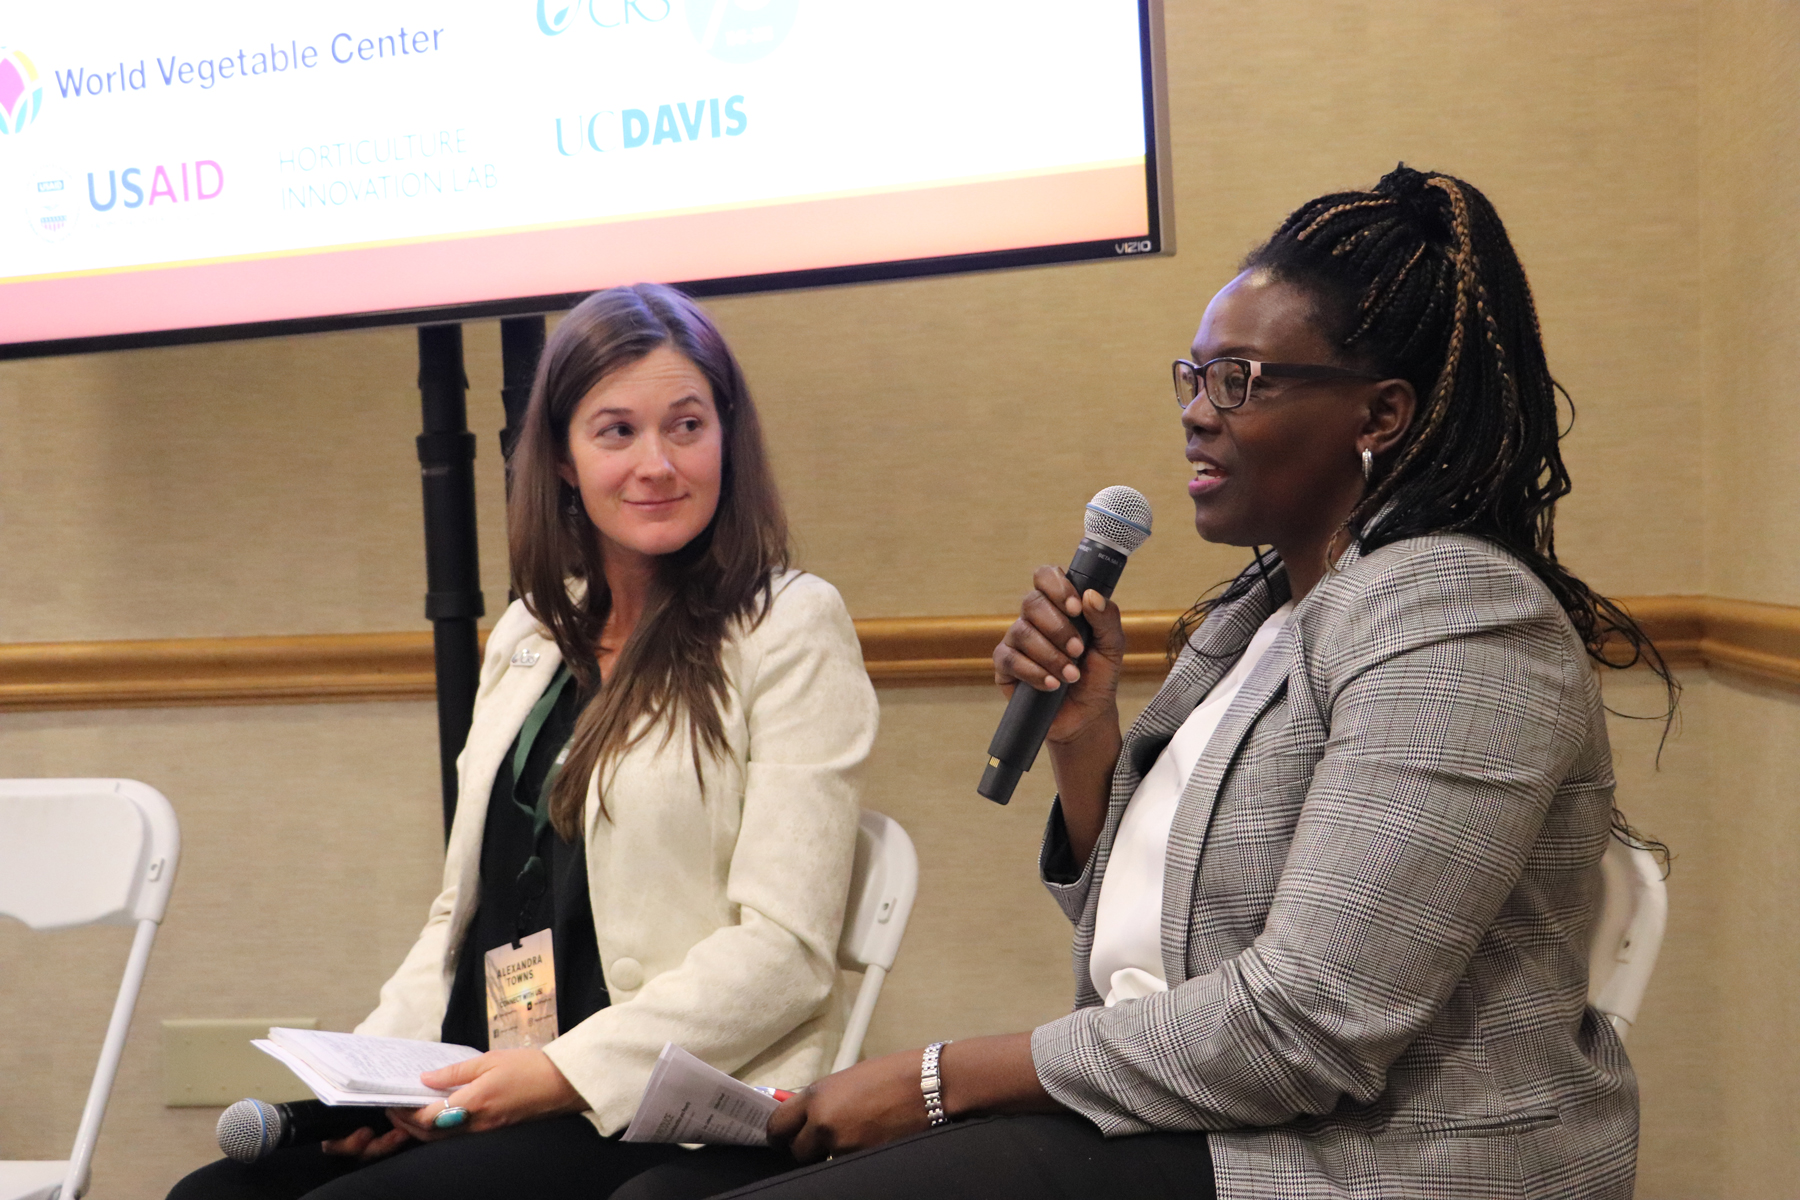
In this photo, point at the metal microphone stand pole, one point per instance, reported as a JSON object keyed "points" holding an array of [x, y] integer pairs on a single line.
{"points": [[521, 345], [452, 560]]}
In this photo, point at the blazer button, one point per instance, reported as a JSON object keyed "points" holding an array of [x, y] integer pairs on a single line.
{"points": [[627, 974]]}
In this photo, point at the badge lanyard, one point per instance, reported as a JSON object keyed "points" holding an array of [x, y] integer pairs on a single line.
{"points": [[534, 724], [533, 877], [520, 977]]}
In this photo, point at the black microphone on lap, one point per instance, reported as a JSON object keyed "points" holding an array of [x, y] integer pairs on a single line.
{"points": [[1117, 522], [251, 1130]]}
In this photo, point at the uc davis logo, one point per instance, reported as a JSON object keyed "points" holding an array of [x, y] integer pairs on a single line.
{"points": [[21, 92]]}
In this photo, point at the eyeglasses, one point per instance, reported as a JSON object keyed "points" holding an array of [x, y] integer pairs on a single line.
{"points": [[1226, 382]]}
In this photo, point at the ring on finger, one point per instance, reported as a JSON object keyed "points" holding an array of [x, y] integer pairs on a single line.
{"points": [[451, 1117]]}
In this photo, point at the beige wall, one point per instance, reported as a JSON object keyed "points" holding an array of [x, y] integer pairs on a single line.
{"points": [[1750, 347], [1750, 353], [208, 489], [311, 841], [936, 438], [1675, 1044]]}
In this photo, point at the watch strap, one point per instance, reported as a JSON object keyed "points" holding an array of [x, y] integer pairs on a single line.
{"points": [[932, 1085]]}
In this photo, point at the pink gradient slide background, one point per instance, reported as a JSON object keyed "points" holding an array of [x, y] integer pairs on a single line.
{"points": [[1041, 210]]}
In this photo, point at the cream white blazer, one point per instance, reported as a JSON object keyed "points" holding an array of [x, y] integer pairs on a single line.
{"points": [[718, 897]]}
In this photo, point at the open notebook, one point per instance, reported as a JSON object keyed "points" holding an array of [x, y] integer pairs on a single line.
{"points": [[686, 1100], [350, 1068]]}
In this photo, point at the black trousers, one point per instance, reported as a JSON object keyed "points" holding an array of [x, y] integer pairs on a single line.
{"points": [[1060, 1157], [560, 1159]]}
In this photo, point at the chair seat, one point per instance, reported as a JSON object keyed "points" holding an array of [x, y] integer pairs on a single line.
{"points": [[31, 1180]]}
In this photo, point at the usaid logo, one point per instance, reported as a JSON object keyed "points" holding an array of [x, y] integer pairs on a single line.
{"points": [[51, 203], [202, 180], [21, 91]]}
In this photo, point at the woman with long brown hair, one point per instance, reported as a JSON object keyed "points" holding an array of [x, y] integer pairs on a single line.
{"points": [[657, 805]]}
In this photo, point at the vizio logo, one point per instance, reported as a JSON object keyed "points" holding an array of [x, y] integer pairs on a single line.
{"points": [[1141, 246]]}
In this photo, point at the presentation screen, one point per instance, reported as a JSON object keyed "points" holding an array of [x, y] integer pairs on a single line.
{"points": [[191, 171]]}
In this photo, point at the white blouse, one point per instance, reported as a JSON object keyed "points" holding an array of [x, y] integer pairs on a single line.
{"points": [[1126, 960]]}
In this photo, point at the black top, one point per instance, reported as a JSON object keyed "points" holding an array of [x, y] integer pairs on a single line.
{"points": [[507, 843]]}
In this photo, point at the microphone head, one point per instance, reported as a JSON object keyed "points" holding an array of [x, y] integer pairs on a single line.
{"points": [[1118, 516], [249, 1131]]}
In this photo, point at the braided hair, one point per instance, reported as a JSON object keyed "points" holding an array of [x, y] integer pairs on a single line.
{"points": [[1417, 280]]}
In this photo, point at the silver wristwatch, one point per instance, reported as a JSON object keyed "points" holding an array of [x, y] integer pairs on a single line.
{"points": [[932, 1084]]}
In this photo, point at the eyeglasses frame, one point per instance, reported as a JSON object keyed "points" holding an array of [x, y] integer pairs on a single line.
{"points": [[1256, 371]]}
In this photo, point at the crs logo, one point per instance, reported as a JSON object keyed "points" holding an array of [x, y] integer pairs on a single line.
{"points": [[21, 91], [555, 16], [1141, 246]]}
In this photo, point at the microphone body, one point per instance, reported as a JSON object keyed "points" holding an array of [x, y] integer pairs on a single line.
{"points": [[1115, 527], [251, 1130]]}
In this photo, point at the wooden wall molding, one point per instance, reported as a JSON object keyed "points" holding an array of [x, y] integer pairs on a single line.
{"points": [[928, 650], [1762, 640], [319, 669]]}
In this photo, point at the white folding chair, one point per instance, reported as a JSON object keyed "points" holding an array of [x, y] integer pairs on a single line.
{"points": [[85, 852], [1628, 932], [882, 887]]}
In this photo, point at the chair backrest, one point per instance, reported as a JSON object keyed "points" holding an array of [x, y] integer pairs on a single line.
{"points": [[1628, 932], [85, 852], [883, 884], [89, 852]]}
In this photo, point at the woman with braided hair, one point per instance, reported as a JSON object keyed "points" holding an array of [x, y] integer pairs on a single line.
{"points": [[1332, 889]]}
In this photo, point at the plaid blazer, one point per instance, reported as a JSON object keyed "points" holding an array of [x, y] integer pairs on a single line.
{"points": [[1379, 885]]}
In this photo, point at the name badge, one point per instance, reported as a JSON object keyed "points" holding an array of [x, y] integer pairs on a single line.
{"points": [[521, 993]]}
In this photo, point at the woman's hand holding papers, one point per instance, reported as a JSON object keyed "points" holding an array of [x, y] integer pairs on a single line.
{"points": [[500, 1088], [879, 1100], [865, 1105]]}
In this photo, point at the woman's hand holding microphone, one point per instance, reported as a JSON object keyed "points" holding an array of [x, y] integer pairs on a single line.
{"points": [[1044, 647]]}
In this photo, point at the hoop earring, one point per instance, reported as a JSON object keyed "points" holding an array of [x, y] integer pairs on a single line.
{"points": [[1331, 567], [1368, 464]]}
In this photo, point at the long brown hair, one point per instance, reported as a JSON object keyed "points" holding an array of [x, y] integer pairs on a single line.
{"points": [[670, 666]]}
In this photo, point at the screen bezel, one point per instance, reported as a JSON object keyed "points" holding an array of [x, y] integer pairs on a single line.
{"points": [[1160, 241]]}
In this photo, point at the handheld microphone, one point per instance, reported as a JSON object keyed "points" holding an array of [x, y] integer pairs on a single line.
{"points": [[1117, 522], [251, 1130]]}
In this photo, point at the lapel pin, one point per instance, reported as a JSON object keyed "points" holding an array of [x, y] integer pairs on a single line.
{"points": [[524, 658]]}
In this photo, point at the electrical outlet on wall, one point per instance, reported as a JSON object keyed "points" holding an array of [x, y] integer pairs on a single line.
{"points": [[209, 1062]]}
